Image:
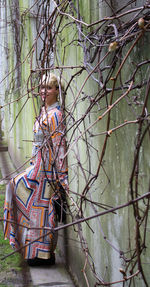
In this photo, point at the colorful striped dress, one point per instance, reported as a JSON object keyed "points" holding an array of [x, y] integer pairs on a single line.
{"points": [[30, 196]]}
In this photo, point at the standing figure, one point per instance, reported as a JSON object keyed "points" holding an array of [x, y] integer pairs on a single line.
{"points": [[33, 196]]}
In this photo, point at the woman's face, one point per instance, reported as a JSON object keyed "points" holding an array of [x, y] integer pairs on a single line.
{"points": [[48, 94]]}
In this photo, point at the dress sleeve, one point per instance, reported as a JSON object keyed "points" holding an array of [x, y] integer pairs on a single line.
{"points": [[32, 160], [58, 143]]}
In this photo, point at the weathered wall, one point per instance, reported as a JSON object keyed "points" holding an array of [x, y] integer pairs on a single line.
{"points": [[110, 234], [18, 117]]}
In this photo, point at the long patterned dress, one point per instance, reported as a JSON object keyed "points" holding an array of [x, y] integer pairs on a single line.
{"points": [[30, 196]]}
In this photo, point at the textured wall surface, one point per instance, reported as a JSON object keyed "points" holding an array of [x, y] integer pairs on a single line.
{"points": [[18, 117], [107, 236]]}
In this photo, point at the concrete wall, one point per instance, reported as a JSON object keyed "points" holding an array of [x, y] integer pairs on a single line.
{"points": [[107, 235], [18, 115]]}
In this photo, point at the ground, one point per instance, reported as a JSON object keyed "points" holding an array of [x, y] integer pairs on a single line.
{"points": [[13, 270]]}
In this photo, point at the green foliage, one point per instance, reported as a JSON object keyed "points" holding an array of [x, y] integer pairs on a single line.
{"points": [[13, 261]]}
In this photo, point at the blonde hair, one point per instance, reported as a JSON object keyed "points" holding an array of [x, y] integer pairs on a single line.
{"points": [[51, 79]]}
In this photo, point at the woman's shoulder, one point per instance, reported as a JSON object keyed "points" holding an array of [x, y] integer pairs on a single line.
{"points": [[55, 112], [53, 116]]}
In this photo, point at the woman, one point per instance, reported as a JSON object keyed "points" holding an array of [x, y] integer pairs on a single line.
{"points": [[33, 196]]}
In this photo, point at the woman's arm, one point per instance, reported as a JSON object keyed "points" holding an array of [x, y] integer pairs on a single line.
{"points": [[58, 147]]}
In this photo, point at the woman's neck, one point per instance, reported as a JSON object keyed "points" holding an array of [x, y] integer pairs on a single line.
{"points": [[55, 104]]}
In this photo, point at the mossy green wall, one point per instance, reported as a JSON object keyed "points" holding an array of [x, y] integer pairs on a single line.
{"points": [[20, 115], [109, 234]]}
